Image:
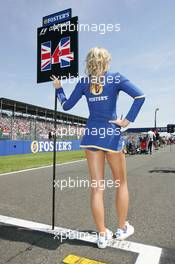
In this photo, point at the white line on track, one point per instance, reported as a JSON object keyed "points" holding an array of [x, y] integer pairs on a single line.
{"points": [[38, 168], [147, 254]]}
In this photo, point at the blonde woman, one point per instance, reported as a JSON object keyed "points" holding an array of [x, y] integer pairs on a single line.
{"points": [[102, 138]]}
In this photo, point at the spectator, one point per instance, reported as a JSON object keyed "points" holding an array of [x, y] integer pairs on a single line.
{"points": [[151, 137]]}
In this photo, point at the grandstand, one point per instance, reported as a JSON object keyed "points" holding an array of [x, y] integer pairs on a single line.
{"points": [[19, 120]]}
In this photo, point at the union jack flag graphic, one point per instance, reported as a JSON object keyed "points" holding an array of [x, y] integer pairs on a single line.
{"points": [[62, 53], [46, 56]]}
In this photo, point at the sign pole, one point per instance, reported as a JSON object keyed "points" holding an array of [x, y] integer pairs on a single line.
{"points": [[57, 54], [54, 163]]}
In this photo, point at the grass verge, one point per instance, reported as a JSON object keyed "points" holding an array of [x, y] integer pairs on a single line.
{"points": [[27, 161]]}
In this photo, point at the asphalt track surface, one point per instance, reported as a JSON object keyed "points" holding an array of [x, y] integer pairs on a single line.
{"points": [[27, 195]]}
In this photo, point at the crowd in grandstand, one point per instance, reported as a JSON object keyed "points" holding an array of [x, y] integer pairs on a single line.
{"points": [[19, 127]]}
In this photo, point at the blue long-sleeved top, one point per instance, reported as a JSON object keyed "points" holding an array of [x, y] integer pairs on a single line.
{"points": [[103, 104]]}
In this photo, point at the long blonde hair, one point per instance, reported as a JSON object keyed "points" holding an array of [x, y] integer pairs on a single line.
{"points": [[97, 62]]}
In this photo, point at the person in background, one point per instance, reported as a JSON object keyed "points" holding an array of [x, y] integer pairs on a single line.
{"points": [[157, 139], [151, 137]]}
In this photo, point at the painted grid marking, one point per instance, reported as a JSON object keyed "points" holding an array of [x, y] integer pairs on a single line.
{"points": [[147, 254]]}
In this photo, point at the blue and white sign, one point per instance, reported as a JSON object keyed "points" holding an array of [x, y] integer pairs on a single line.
{"points": [[14, 147], [58, 17]]}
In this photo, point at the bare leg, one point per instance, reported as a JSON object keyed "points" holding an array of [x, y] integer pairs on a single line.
{"points": [[117, 164], [96, 161]]}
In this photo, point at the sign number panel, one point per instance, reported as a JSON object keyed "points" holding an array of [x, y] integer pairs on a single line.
{"points": [[57, 50]]}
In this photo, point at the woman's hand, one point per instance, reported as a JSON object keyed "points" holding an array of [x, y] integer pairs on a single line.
{"points": [[120, 122], [56, 82]]}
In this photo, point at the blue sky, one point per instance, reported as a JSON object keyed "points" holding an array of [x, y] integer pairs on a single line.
{"points": [[143, 50]]}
